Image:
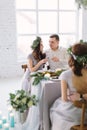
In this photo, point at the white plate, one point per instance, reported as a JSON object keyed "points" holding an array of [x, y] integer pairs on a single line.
{"points": [[54, 79]]}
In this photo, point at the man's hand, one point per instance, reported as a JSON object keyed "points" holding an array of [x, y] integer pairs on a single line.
{"points": [[55, 59]]}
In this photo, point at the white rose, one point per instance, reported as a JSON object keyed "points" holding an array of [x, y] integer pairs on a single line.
{"points": [[30, 103], [47, 75], [24, 100], [17, 102]]}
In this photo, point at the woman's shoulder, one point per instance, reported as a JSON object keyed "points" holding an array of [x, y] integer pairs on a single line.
{"points": [[30, 56], [66, 74], [68, 71]]}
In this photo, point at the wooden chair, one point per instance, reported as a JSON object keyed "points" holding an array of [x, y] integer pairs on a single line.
{"points": [[81, 87], [81, 104], [24, 67]]}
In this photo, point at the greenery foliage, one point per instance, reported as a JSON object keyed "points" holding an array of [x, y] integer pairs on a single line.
{"points": [[38, 76], [80, 59], [36, 42], [21, 101], [82, 3]]}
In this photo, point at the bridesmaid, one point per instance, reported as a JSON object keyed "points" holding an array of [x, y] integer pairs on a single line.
{"points": [[63, 113]]}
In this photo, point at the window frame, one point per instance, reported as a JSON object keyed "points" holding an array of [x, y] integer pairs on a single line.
{"points": [[76, 34]]}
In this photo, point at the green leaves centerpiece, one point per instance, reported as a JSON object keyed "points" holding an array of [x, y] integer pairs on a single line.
{"points": [[38, 76]]}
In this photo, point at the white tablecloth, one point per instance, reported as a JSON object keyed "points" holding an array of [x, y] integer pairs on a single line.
{"points": [[35, 119]]}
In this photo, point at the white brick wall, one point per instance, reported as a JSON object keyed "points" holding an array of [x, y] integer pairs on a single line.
{"points": [[8, 49]]}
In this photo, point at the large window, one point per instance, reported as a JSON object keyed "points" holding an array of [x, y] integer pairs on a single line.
{"points": [[43, 18]]}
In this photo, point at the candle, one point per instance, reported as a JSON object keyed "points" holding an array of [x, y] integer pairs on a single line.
{"points": [[10, 109], [0, 115], [4, 119], [6, 126], [11, 119], [0, 124]]}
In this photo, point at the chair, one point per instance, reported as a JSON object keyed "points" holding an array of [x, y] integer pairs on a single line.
{"points": [[81, 104], [81, 87], [24, 67]]}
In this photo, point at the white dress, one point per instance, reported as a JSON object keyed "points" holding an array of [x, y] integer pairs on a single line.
{"points": [[63, 115]]}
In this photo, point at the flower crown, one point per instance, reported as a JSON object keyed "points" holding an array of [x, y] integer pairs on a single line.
{"points": [[36, 42], [80, 59]]}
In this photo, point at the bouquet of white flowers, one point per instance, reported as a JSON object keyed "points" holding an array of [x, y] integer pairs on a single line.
{"points": [[21, 101]]}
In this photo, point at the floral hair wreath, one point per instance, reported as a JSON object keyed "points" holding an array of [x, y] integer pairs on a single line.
{"points": [[82, 60], [36, 43]]}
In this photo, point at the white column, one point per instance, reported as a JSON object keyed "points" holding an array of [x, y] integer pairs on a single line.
{"points": [[8, 39], [84, 25]]}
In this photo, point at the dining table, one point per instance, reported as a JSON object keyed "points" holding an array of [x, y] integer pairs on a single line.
{"points": [[46, 92]]}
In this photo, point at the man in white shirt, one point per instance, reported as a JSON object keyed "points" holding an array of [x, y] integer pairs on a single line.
{"points": [[57, 56]]}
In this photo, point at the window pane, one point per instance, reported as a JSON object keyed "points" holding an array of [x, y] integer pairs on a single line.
{"points": [[25, 4], [67, 4], [47, 4], [45, 40], [26, 22], [80, 24], [48, 22], [24, 46], [67, 40], [67, 23]]}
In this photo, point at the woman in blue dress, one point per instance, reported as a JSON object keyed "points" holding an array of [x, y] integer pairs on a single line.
{"points": [[63, 113], [36, 61]]}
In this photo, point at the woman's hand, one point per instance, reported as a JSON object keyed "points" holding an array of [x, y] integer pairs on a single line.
{"points": [[85, 96], [43, 61], [35, 68], [74, 96]]}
